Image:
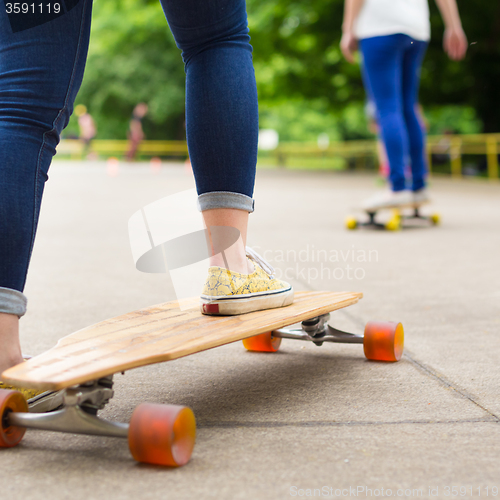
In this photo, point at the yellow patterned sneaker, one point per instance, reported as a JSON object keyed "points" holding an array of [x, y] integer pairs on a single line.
{"points": [[230, 293], [38, 401]]}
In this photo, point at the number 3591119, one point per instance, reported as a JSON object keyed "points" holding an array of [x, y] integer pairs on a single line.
{"points": [[32, 8]]}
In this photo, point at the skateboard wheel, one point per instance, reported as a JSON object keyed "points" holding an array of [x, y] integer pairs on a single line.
{"points": [[162, 434], [351, 223], [383, 340], [393, 224], [11, 401], [265, 342], [435, 219]]}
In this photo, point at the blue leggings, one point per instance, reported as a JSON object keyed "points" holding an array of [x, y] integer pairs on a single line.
{"points": [[42, 61], [391, 72]]}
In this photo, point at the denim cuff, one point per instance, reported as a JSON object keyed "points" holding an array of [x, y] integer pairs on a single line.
{"points": [[12, 302], [225, 199]]}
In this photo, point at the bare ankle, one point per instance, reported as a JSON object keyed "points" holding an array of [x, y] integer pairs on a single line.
{"points": [[10, 351]]}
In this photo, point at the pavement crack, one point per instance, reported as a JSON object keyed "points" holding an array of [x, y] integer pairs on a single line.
{"points": [[324, 423], [426, 369], [447, 383]]}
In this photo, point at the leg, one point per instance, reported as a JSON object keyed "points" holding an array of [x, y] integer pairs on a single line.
{"points": [[382, 68], [9, 340], [221, 108], [412, 63], [41, 69], [234, 256], [222, 134]]}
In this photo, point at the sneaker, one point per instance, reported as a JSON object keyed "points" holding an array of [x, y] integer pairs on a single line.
{"points": [[389, 199], [230, 293], [421, 196], [38, 401]]}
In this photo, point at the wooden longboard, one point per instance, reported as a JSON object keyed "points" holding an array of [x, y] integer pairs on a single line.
{"points": [[156, 334]]}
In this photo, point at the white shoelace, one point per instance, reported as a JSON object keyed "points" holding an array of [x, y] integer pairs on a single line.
{"points": [[253, 255]]}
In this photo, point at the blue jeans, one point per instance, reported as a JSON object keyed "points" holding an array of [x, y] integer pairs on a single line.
{"points": [[391, 72], [41, 70]]}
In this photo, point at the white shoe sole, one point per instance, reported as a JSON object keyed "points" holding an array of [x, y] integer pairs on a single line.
{"points": [[45, 402], [414, 204], [242, 304]]}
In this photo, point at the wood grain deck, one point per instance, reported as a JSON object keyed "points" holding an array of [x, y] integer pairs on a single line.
{"points": [[156, 334]]}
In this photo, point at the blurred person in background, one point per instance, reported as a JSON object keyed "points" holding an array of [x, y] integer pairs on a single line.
{"points": [[135, 131], [88, 130], [393, 36]]}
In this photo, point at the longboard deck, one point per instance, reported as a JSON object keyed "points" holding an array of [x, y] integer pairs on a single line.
{"points": [[158, 333]]}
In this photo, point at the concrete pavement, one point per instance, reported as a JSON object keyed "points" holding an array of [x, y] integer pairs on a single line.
{"points": [[306, 421]]}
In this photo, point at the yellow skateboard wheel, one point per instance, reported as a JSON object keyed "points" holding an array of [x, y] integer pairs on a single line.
{"points": [[11, 401], [265, 342], [162, 434], [383, 341], [435, 219], [351, 223], [394, 223]]}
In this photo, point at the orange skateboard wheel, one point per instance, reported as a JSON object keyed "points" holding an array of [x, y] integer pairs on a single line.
{"points": [[265, 342], [162, 434], [383, 340], [11, 401]]}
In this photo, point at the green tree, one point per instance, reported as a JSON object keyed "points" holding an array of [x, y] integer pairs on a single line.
{"points": [[301, 75], [133, 58], [472, 82], [297, 56]]}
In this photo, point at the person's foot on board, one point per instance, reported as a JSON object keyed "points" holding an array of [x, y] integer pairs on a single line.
{"points": [[388, 199], [421, 196], [229, 293]]}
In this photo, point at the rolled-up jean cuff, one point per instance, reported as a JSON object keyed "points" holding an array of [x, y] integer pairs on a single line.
{"points": [[225, 199], [12, 302]]}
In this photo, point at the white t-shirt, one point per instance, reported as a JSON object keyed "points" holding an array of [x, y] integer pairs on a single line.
{"points": [[389, 17]]}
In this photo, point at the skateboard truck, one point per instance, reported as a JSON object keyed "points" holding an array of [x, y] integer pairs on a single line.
{"points": [[382, 340], [317, 330]]}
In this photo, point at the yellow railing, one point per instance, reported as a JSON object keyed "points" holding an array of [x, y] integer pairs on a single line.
{"points": [[453, 147], [75, 149]]}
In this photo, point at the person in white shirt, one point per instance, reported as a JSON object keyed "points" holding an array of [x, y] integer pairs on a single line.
{"points": [[393, 36]]}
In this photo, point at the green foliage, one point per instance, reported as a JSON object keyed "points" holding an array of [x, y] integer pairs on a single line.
{"points": [[297, 54], [472, 82], [297, 57], [305, 86], [133, 58], [453, 119], [299, 120]]}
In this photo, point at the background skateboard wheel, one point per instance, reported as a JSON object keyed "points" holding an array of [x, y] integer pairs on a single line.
{"points": [[265, 342], [394, 223], [435, 219], [351, 223], [11, 401], [383, 341], [162, 434]]}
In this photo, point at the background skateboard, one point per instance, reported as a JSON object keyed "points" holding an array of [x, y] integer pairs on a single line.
{"points": [[399, 218]]}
